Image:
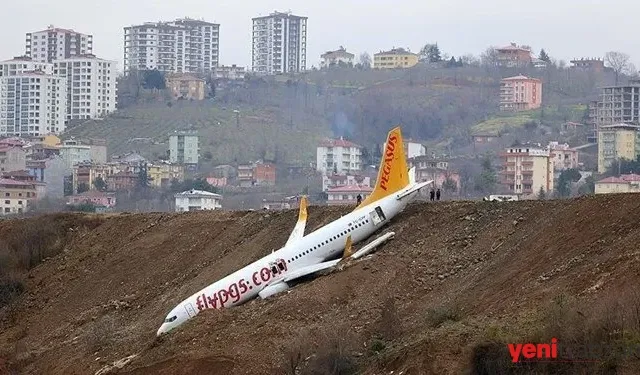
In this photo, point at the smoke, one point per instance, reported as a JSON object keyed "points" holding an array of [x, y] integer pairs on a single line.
{"points": [[341, 126]]}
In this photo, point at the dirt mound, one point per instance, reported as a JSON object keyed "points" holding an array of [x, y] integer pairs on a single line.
{"points": [[456, 274]]}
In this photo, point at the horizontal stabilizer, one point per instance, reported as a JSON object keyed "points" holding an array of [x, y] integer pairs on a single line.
{"points": [[413, 189]]}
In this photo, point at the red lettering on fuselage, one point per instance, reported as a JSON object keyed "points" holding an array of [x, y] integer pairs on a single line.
{"points": [[388, 158]]}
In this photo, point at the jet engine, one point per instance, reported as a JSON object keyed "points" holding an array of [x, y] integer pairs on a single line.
{"points": [[273, 289]]}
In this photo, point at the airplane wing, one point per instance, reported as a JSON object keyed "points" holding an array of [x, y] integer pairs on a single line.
{"points": [[308, 270], [304, 271], [298, 230]]}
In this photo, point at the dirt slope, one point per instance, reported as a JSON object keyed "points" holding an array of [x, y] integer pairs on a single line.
{"points": [[483, 266]]}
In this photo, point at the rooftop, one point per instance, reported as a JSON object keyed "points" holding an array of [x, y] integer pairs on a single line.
{"points": [[12, 182], [395, 51], [198, 193], [520, 78], [621, 126], [514, 47], [337, 143], [623, 179], [351, 189]]}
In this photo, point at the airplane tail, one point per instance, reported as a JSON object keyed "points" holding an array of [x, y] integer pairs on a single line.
{"points": [[393, 174]]}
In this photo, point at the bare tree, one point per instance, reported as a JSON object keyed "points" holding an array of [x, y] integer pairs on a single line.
{"points": [[619, 62], [365, 60], [489, 57]]}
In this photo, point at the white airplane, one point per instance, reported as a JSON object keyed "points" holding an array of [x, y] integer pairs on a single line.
{"points": [[320, 250]]}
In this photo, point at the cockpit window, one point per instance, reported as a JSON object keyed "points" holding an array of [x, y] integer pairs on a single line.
{"points": [[169, 320]]}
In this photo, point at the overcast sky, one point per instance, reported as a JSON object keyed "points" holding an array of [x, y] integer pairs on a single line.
{"points": [[565, 28]]}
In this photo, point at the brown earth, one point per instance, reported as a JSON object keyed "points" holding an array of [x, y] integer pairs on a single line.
{"points": [[456, 275]]}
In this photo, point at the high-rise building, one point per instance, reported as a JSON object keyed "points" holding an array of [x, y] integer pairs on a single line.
{"points": [[526, 170], [615, 142], [55, 43], [91, 86], [520, 93], [279, 43], [21, 64], [180, 46], [32, 99], [184, 147]]}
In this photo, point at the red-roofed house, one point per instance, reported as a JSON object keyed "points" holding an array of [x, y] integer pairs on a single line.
{"points": [[514, 55], [626, 183], [338, 156], [347, 194]]}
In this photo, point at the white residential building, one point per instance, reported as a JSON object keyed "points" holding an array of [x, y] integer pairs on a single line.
{"points": [[330, 182], [197, 200], [411, 149], [180, 46], [338, 57], [22, 64], [338, 156], [279, 44], [232, 72], [55, 43], [32, 104], [72, 153], [184, 147], [91, 86]]}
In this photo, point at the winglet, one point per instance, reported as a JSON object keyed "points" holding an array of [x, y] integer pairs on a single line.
{"points": [[393, 174], [298, 230], [302, 215], [347, 248]]}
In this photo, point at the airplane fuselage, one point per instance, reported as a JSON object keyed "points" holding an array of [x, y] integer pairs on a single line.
{"points": [[325, 243]]}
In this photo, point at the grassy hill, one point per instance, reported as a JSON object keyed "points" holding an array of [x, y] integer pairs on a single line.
{"points": [[255, 133]]}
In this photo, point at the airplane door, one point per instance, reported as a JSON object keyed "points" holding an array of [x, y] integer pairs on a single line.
{"points": [[190, 310], [377, 216]]}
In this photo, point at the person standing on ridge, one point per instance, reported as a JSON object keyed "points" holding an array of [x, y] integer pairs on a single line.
{"points": [[438, 194], [359, 199], [432, 193]]}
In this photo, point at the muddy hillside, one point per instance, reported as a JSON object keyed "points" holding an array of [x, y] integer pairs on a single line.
{"points": [[458, 282]]}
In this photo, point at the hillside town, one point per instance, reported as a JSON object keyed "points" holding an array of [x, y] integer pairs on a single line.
{"points": [[58, 85]]}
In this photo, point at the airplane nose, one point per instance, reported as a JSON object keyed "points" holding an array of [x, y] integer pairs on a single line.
{"points": [[161, 331]]}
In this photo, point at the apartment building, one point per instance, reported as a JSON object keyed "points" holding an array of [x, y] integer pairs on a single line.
{"points": [[22, 64], [12, 158], [55, 43], [394, 58], [347, 195], [432, 168], [617, 104], [181, 46], [526, 170], [339, 57], [330, 182], [185, 86], [161, 175], [514, 56], [32, 103], [279, 44], [563, 156], [338, 156], [594, 64], [618, 141], [15, 196], [626, 183], [520, 93], [231, 72], [184, 147], [91, 86]]}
